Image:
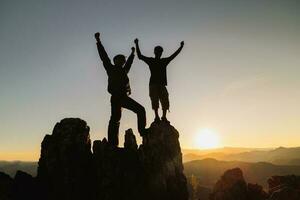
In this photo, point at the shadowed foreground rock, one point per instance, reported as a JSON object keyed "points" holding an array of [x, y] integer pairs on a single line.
{"points": [[284, 187], [152, 171], [232, 186], [68, 170], [6, 183], [161, 158], [65, 165]]}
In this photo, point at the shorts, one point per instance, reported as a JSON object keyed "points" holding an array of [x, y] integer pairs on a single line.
{"points": [[159, 93]]}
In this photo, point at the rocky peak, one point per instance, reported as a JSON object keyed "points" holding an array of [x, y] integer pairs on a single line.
{"points": [[69, 170], [130, 140], [6, 183], [64, 170], [161, 157], [232, 186]]}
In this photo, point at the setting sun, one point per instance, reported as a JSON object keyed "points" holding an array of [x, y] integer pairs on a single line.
{"points": [[207, 139]]}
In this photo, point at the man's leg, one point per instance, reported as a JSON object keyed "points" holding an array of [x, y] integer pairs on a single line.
{"points": [[137, 108], [164, 116], [164, 99], [156, 115], [153, 93], [114, 122]]}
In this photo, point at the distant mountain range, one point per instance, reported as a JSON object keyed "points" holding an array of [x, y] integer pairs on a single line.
{"points": [[257, 163], [278, 156], [208, 171], [11, 167]]}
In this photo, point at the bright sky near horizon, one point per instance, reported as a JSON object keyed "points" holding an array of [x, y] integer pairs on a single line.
{"points": [[237, 75]]}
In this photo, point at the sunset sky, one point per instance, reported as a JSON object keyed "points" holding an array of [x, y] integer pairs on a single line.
{"points": [[237, 77]]}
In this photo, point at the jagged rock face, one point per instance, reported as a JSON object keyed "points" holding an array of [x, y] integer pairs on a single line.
{"points": [[256, 192], [130, 140], [118, 172], [24, 186], [284, 187], [231, 186], [64, 170], [161, 158], [152, 171], [6, 183], [68, 170]]}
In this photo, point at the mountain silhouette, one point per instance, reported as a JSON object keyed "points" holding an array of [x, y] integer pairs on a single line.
{"points": [[209, 170], [71, 168], [11, 167], [278, 156], [233, 186]]}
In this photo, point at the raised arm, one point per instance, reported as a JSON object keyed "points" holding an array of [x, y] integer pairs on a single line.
{"points": [[170, 58], [102, 53], [138, 51], [129, 61]]}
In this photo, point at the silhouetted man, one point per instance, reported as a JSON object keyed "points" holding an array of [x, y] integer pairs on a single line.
{"points": [[119, 88], [158, 79]]}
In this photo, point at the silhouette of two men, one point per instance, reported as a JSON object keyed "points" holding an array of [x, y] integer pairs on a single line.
{"points": [[119, 87]]}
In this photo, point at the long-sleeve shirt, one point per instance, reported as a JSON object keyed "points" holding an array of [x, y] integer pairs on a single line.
{"points": [[118, 81]]}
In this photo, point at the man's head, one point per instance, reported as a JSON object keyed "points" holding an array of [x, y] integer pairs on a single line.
{"points": [[158, 51], [119, 60]]}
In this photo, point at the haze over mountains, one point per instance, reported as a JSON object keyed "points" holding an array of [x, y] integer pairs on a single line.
{"points": [[250, 160], [71, 167], [208, 171], [278, 156], [11, 167], [207, 166], [257, 164]]}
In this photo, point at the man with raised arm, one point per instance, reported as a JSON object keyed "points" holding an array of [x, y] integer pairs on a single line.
{"points": [[158, 79], [119, 88]]}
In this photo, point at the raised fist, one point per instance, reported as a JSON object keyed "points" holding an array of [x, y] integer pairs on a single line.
{"points": [[182, 43], [136, 40], [132, 49], [97, 36]]}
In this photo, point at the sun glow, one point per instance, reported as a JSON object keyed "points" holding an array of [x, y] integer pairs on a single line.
{"points": [[208, 139]]}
